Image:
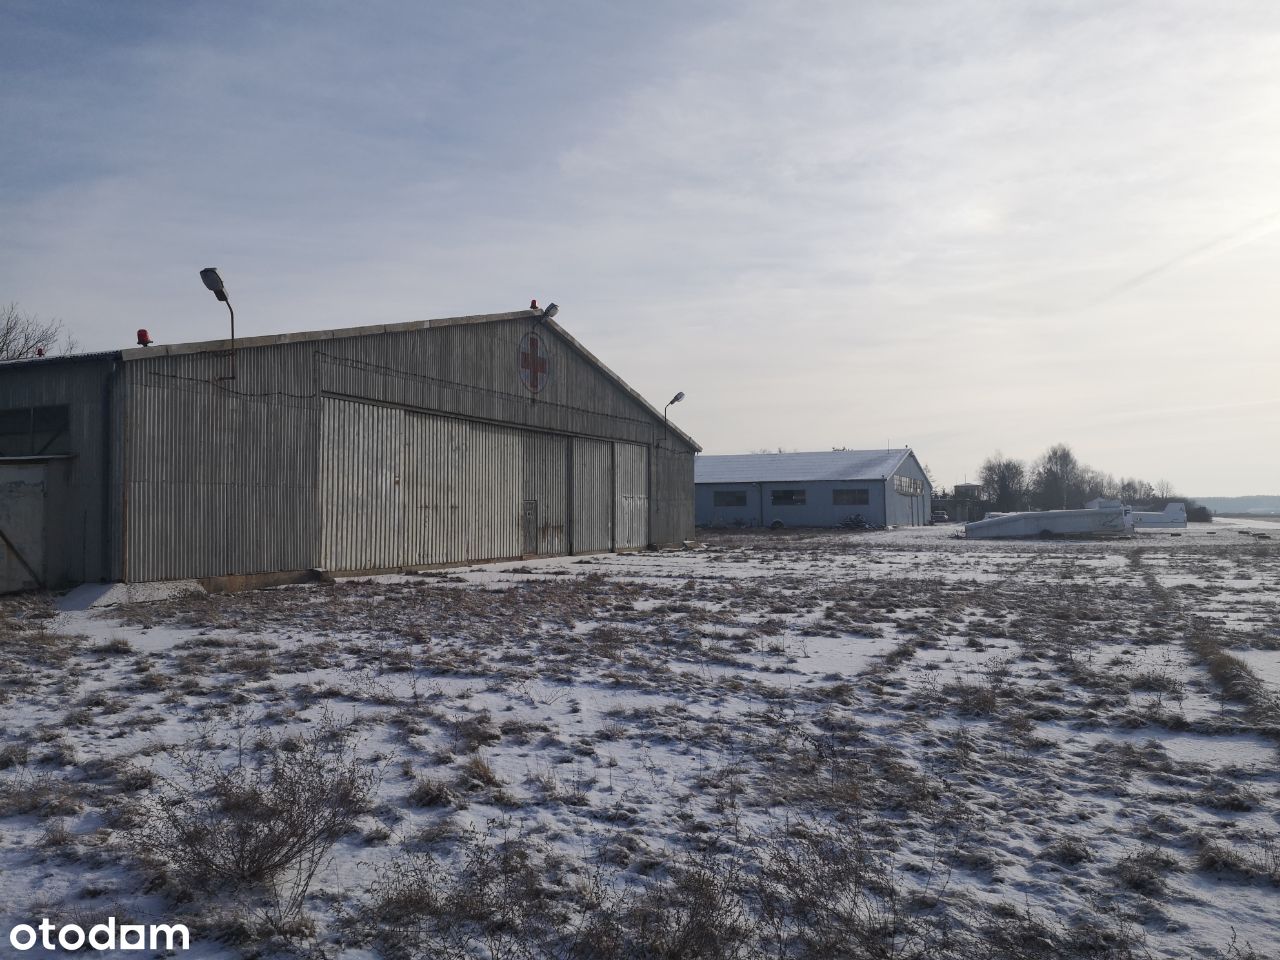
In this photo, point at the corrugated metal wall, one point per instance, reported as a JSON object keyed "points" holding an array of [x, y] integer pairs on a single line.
{"points": [[671, 495], [217, 483], [441, 408], [545, 458], [463, 486], [630, 496], [193, 472], [362, 501], [905, 509], [404, 488], [592, 495], [470, 370]]}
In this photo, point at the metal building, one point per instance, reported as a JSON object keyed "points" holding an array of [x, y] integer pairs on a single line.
{"points": [[884, 487], [372, 448]]}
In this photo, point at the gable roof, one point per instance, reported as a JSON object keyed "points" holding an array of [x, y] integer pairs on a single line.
{"points": [[247, 343], [799, 467]]}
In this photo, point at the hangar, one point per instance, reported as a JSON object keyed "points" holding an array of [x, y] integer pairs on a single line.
{"points": [[372, 448], [884, 487]]}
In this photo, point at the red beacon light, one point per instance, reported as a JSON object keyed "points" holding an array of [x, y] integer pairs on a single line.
{"points": [[144, 338]]}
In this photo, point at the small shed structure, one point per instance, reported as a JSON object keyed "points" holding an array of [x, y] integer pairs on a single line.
{"points": [[371, 448], [884, 487]]}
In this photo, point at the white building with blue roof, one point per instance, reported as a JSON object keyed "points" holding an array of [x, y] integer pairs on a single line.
{"points": [[883, 487]]}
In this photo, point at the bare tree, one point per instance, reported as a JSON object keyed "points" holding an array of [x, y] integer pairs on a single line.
{"points": [[24, 335], [1004, 482], [1134, 490], [1094, 483], [1056, 480]]}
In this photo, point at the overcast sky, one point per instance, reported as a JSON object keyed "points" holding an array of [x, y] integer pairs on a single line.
{"points": [[958, 226]]}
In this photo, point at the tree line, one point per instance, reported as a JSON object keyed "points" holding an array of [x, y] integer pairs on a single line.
{"points": [[1057, 480]]}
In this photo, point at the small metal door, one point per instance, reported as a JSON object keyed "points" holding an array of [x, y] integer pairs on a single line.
{"points": [[22, 531], [529, 524]]}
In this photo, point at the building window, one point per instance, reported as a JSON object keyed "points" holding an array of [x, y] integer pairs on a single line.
{"points": [[788, 498], [908, 486], [31, 431], [729, 498], [850, 498]]}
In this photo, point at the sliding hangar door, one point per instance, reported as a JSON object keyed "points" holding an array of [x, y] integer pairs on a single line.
{"points": [[403, 488]]}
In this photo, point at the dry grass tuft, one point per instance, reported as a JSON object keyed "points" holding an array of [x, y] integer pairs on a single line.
{"points": [[259, 822]]}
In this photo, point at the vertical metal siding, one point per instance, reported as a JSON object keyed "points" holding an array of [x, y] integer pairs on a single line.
{"points": [[216, 482], [463, 490], [592, 495], [431, 492], [631, 496], [471, 371], [905, 509], [544, 458], [671, 496], [206, 476], [361, 487], [493, 495], [403, 488]]}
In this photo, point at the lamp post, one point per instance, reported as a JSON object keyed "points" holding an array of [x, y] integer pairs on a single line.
{"points": [[655, 503], [214, 282], [665, 426]]}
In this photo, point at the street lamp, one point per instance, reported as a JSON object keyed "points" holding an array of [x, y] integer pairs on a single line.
{"points": [[214, 282], [666, 427]]}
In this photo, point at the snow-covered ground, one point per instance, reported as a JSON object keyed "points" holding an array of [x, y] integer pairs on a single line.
{"points": [[900, 742]]}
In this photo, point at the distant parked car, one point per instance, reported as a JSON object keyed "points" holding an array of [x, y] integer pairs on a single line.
{"points": [[939, 516]]}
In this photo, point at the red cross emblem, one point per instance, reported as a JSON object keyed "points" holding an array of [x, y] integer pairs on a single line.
{"points": [[535, 365]]}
